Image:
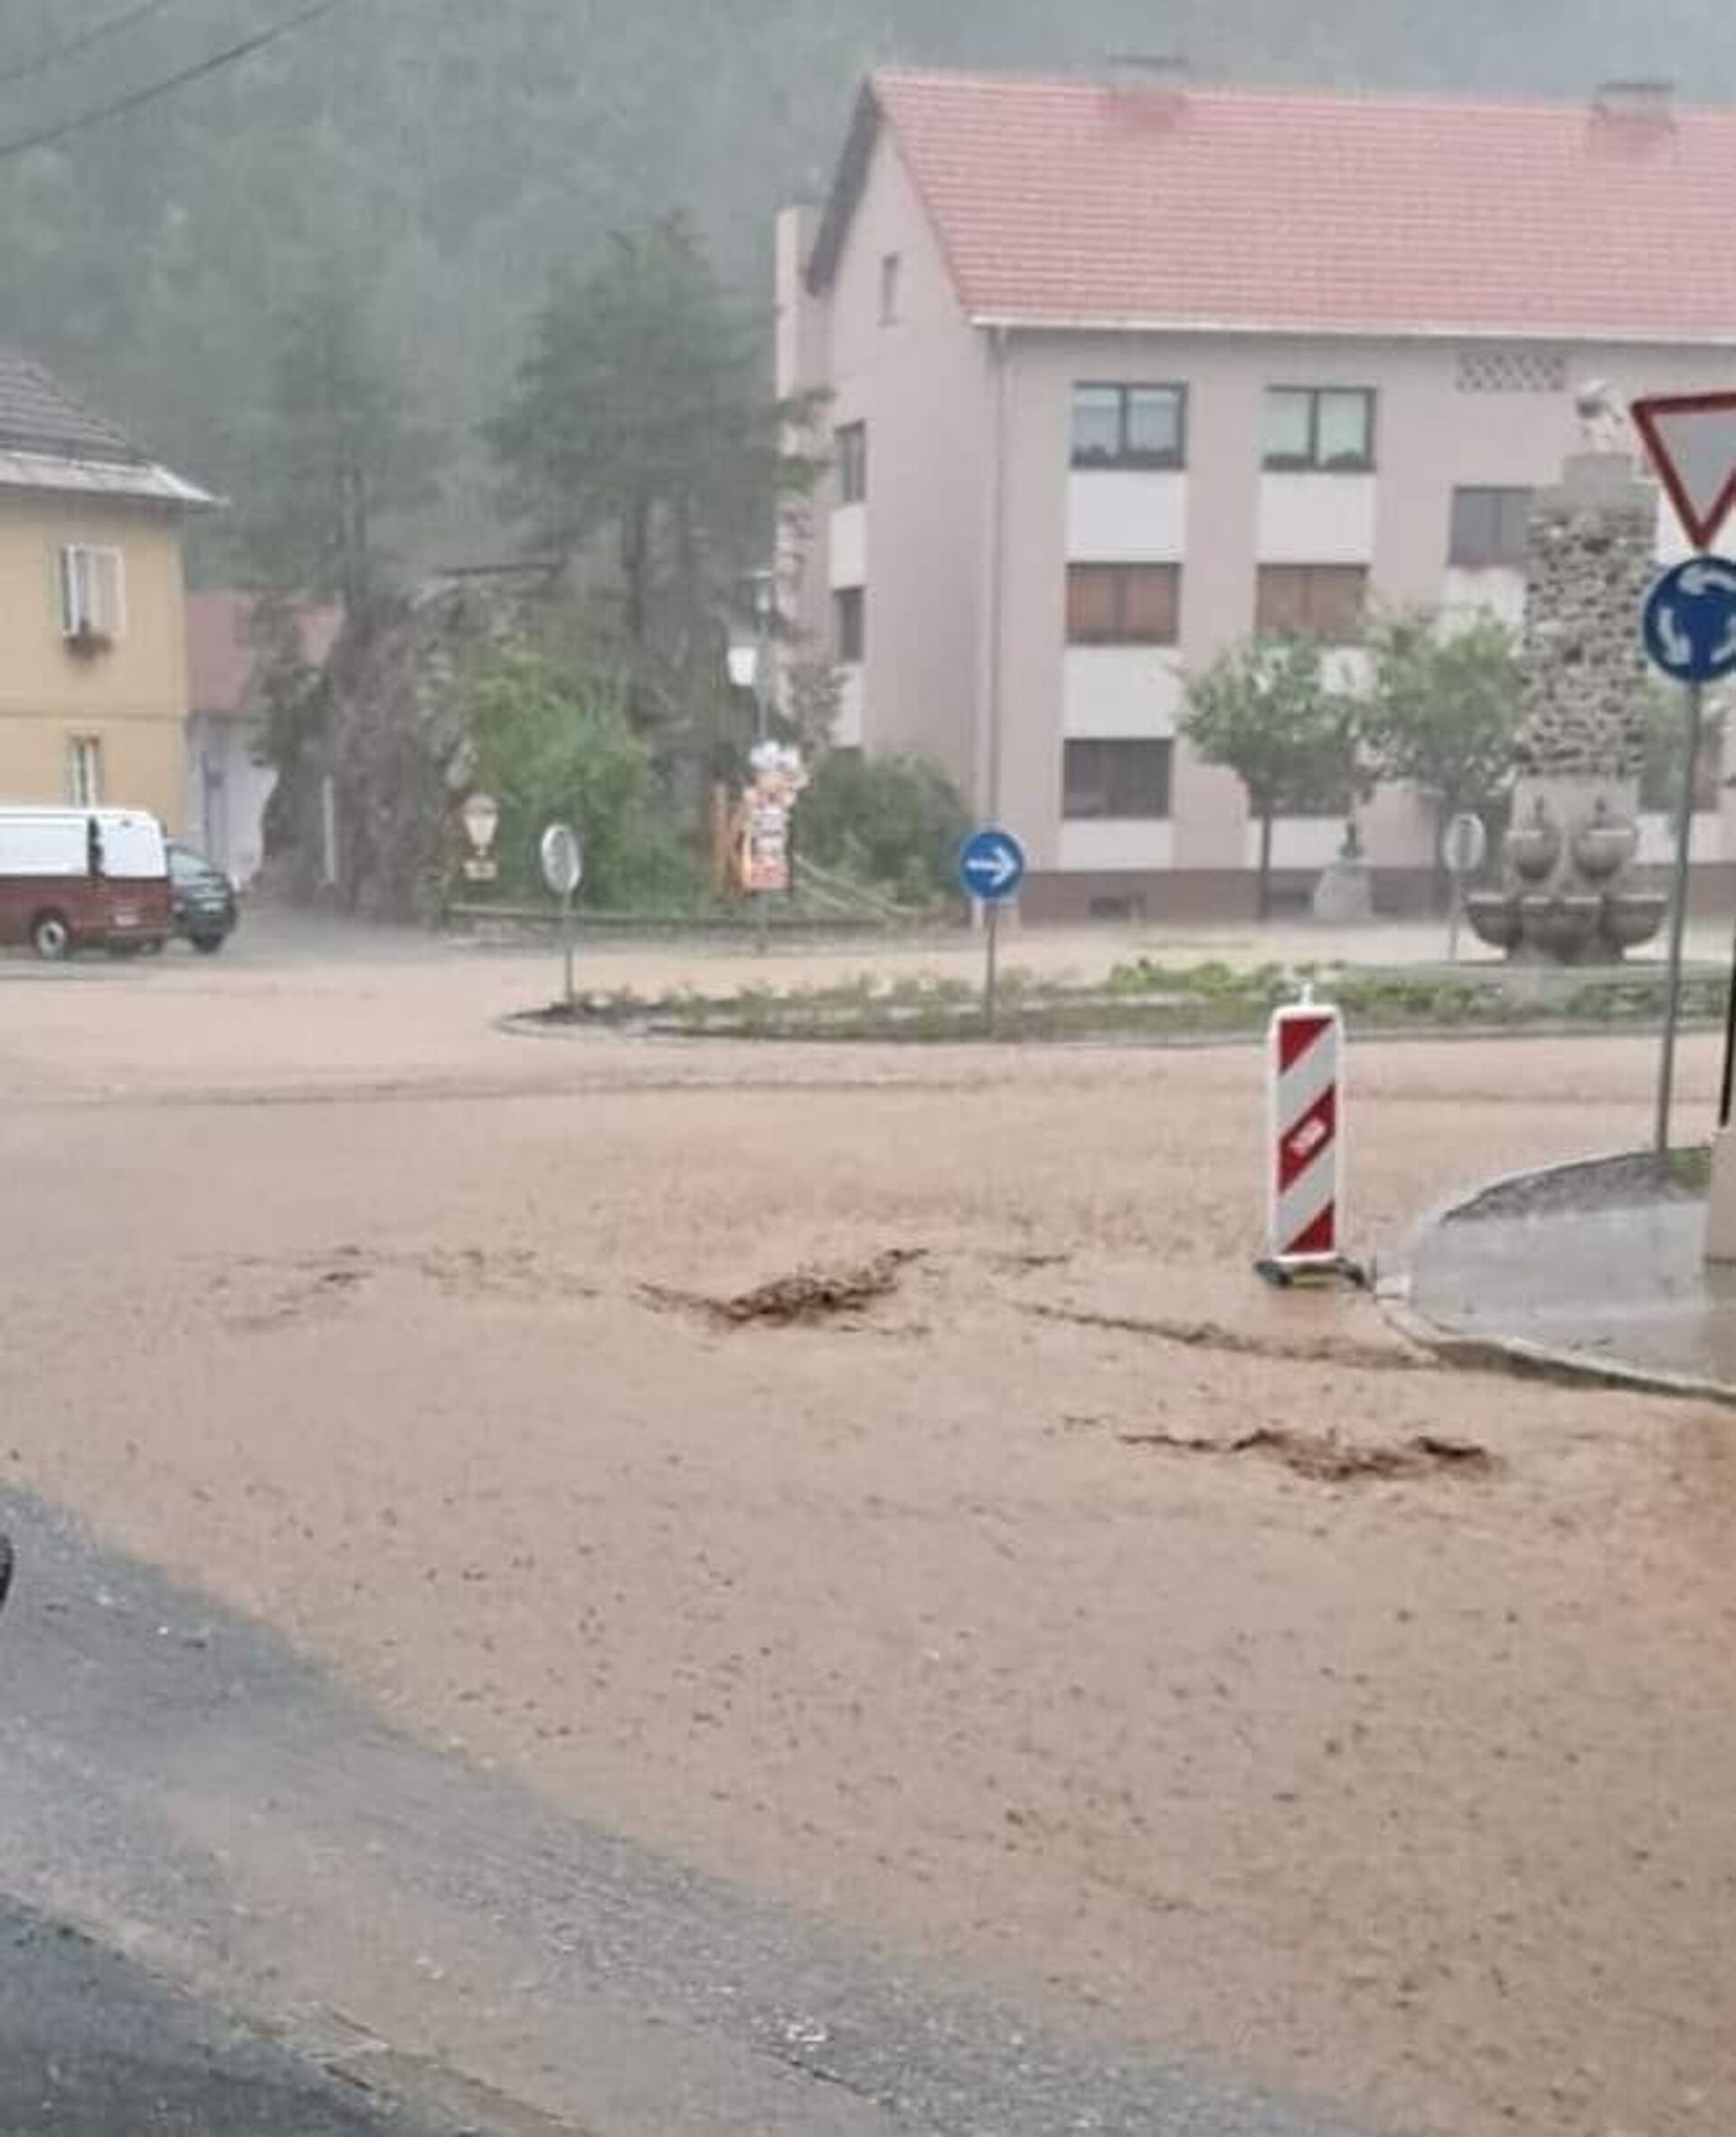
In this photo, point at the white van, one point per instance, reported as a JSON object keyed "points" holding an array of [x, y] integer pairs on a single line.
{"points": [[74, 878]]}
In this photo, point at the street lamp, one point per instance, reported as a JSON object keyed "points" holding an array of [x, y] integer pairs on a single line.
{"points": [[744, 660]]}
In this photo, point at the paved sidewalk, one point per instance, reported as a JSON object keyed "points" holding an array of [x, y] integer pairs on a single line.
{"points": [[1600, 1264]]}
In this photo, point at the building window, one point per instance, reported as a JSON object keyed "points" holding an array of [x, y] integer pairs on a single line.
{"points": [[850, 447], [892, 273], [1326, 428], [1123, 605], [92, 592], [1325, 601], [1129, 779], [1489, 528], [1129, 426], [84, 770], [849, 626]]}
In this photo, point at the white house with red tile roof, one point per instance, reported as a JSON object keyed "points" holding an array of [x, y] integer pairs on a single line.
{"points": [[229, 782], [1123, 371]]}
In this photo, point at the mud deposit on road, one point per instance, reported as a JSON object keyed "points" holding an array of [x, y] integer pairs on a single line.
{"points": [[805, 1298], [1327, 1459], [1022, 1585]]}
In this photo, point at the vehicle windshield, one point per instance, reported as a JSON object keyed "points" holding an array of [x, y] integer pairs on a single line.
{"points": [[892, 1293]]}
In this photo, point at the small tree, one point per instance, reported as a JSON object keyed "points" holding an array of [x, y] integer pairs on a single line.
{"points": [[553, 740], [892, 821], [1443, 713], [1266, 713]]}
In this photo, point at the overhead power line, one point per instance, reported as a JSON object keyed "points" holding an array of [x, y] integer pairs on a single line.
{"points": [[97, 34], [212, 63]]}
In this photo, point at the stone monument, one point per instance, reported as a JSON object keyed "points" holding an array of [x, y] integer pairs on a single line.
{"points": [[1568, 895], [1344, 897]]}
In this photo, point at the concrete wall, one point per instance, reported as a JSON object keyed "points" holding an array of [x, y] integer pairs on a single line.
{"points": [[227, 792], [131, 696], [917, 384]]}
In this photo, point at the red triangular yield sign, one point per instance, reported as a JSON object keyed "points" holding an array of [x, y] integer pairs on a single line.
{"points": [[1691, 440]]}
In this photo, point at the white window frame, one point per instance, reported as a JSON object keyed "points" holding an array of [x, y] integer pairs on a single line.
{"points": [[93, 590], [850, 449], [84, 770]]}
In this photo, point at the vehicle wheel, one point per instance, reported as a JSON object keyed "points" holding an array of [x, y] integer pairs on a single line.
{"points": [[207, 945], [50, 938]]}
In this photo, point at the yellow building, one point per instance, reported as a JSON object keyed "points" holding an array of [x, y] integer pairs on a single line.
{"points": [[93, 664]]}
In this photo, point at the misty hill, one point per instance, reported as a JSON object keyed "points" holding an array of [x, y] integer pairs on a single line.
{"points": [[462, 149]]}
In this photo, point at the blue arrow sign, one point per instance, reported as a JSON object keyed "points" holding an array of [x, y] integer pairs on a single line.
{"points": [[992, 866], [1690, 625]]}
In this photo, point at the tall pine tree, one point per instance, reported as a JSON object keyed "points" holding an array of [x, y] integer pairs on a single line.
{"points": [[644, 450]]}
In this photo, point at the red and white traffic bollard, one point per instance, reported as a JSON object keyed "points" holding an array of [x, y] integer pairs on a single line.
{"points": [[1305, 1145]]}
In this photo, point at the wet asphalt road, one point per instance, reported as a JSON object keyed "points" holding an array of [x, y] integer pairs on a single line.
{"points": [[92, 2045], [174, 1778]]}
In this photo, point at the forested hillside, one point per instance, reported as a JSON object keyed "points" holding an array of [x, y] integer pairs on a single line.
{"points": [[455, 151]]}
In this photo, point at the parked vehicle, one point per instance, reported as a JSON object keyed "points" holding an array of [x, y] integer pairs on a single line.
{"points": [[202, 899], [78, 878]]}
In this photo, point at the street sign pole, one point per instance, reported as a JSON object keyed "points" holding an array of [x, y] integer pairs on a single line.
{"points": [[991, 867], [1690, 632], [567, 944], [563, 854], [1727, 1090], [1679, 916]]}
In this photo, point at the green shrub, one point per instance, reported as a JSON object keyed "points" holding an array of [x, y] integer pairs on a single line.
{"points": [[894, 822], [554, 742]]}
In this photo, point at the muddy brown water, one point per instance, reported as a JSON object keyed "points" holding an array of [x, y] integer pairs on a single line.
{"points": [[1411, 1790]]}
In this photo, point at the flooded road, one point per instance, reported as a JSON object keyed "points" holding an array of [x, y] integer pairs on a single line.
{"points": [[1008, 1611]]}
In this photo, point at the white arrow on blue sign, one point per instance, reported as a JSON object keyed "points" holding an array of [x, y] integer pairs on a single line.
{"points": [[1691, 621], [991, 867]]}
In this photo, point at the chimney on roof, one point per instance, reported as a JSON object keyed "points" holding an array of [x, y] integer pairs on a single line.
{"points": [[1149, 70], [1648, 101], [1148, 85]]}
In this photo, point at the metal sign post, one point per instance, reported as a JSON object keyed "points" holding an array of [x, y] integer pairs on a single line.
{"points": [[1465, 847], [1679, 918], [1690, 632], [1727, 1089], [563, 870], [991, 868]]}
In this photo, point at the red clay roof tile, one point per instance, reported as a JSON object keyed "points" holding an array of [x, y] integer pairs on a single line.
{"points": [[1074, 201]]}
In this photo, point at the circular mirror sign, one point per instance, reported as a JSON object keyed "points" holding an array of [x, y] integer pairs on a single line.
{"points": [[563, 859]]}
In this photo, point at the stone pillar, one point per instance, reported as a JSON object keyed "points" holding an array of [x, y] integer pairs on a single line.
{"points": [[1590, 560]]}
